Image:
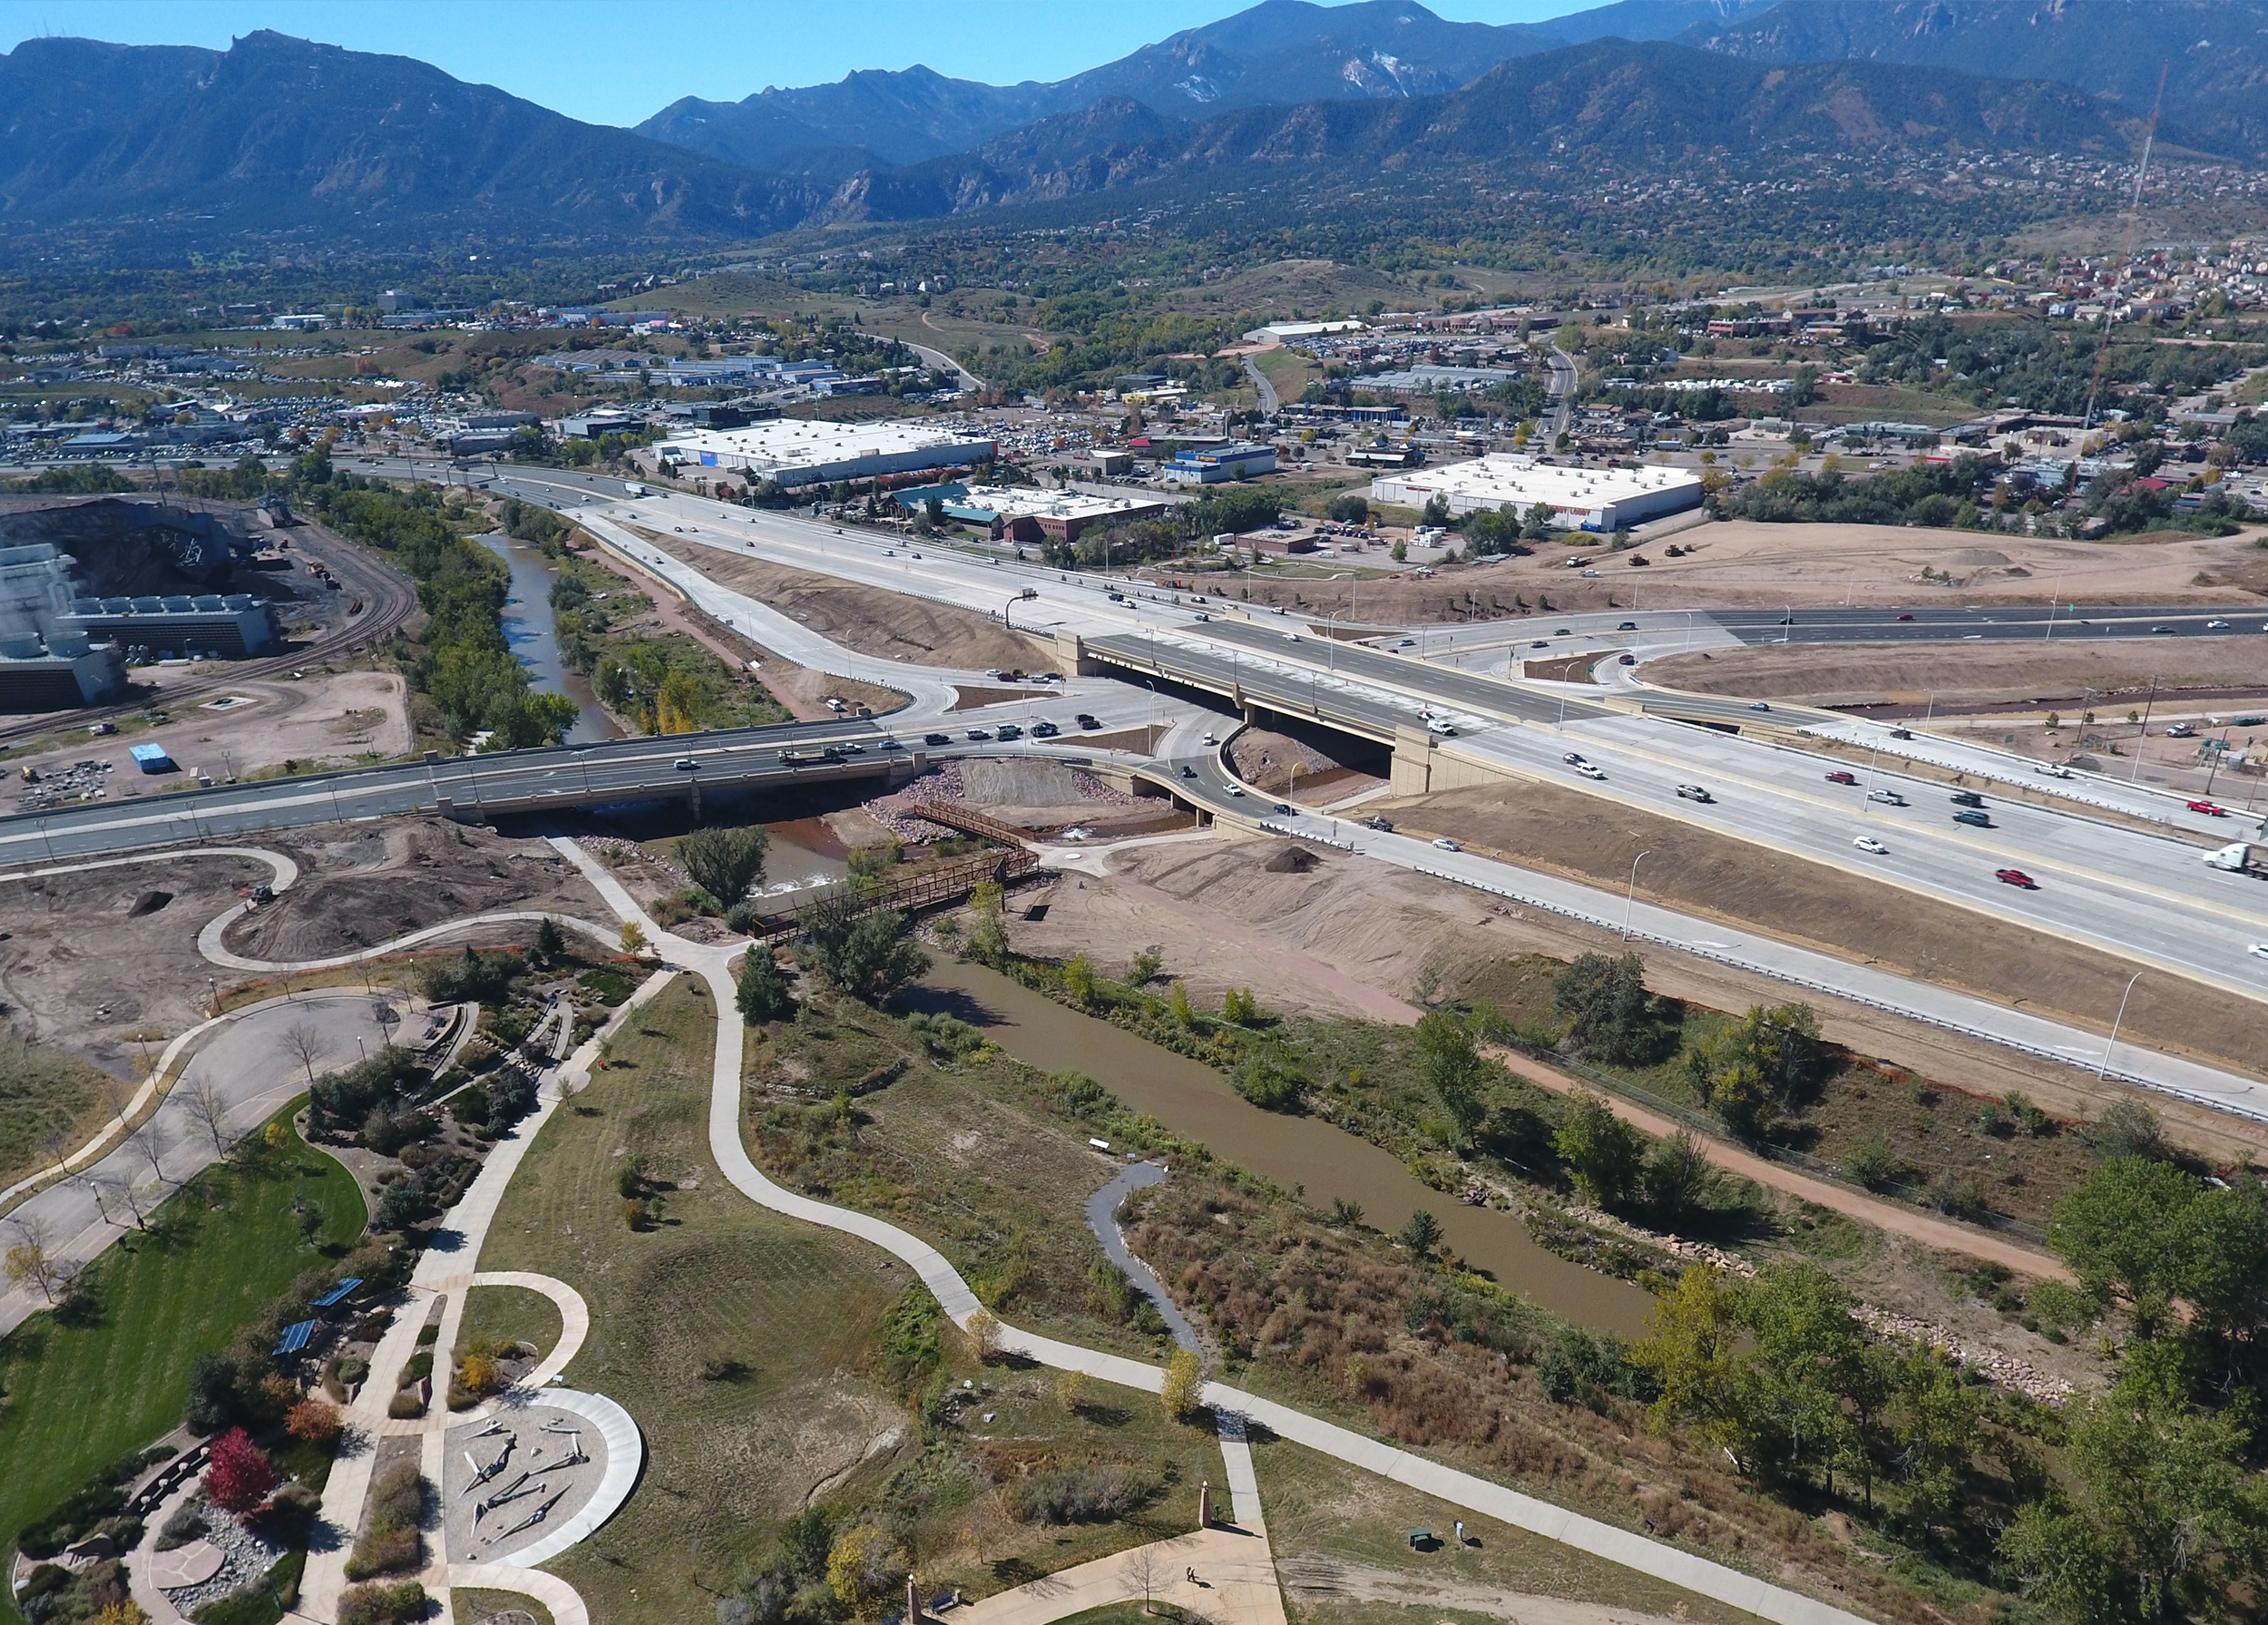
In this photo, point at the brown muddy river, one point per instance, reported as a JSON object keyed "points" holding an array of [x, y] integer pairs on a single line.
{"points": [[1195, 1100]]}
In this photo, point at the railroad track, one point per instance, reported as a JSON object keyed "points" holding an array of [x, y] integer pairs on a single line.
{"points": [[388, 601]]}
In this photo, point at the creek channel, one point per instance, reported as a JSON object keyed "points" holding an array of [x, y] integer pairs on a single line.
{"points": [[529, 629], [1297, 1152]]}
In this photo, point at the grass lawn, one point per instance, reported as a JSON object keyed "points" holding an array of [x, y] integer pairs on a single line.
{"points": [[1320, 1509], [511, 1314], [79, 1397], [472, 1606]]}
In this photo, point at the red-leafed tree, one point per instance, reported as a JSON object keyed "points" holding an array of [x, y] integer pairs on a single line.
{"points": [[237, 1476]]}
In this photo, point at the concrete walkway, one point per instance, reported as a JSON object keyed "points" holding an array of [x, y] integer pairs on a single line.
{"points": [[1235, 1584], [555, 1593]]}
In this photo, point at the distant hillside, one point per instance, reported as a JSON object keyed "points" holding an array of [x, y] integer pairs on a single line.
{"points": [[1639, 105], [1279, 53], [2214, 53], [278, 131]]}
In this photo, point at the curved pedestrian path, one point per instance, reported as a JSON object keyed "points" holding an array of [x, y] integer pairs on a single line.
{"points": [[1717, 1581], [209, 944]]}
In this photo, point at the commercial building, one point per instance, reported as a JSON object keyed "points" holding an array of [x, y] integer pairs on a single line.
{"points": [[1212, 464], [229, 625], [1587, 499], [796, 453], [1028, 512]]}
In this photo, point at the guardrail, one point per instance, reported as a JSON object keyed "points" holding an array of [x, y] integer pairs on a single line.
{"points": [[1793, 980], [1273, 827]]}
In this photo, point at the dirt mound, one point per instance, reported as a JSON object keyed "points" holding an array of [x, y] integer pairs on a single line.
{"points": [[370, 888], [1973, 556], [1960, 674]]}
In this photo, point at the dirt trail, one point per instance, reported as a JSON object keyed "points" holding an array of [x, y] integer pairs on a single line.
{"points": [[1268, 965], [1563, 832], [1958, 675]]}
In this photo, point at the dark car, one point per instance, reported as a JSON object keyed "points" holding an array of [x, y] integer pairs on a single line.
{"points": [[1839, 777], [1380, 822], [1970, 815], [1044, 731], [978, 733], [1967, 799], [1627, 626], [1283, 807], [937, 738], [1010, 730], [1627, 660], [1902, 734], [1087, 721], [1187, 771]]}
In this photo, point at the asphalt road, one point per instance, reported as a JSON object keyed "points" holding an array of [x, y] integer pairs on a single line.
{"points": [[1988, 623]]}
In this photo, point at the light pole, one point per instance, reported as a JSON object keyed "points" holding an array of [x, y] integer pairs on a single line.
{"points": [[2114, 1026], [1630, 898], [2147, 707]]}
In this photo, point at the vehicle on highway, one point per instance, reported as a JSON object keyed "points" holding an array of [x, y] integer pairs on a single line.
{"points": [[1969, 815], [1089, 720], [2217, 626], [1283, 806], [1010, 730], [1590, 769], [851, 747], [937, 738], [1902, 734], [2209, 808], [1211, 739], [1379, 821], [2161, 631], [1236, 789], [1435, 725], [1627, 660], [1905, 617], [1887, 798], [1967, 799], [1867, 842], [685, 764], [1839, 777], [2259, 948], [1540, 643], [887, 743], [1187, 771], [1694, 792], [1758, 705], [1627, 626], [978, 733], [1563, 633], [1573, 759], [1044, 731], [1291, 637], [2016, 877], [1406, 643], [1446, 845]]}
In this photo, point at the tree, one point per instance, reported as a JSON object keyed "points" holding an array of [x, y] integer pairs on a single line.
{"points": [[761, 991], [1183, 1390], [725, 863], [1071, 1389], [1453, 1068], [30, 1264], [1677, 1179], [207, 1114], [149, 1142], [1145, 1571], [1604, 1155], [1421, 1235], [239, 1476], [863, 952], [866, 1564], [120, 1188], [307, 1044], [1692, 1354], [1810, 1353], [549, 944], [988, 942], [983, 1329], [634, 938], [1770, 1060], [1611, 1014]]}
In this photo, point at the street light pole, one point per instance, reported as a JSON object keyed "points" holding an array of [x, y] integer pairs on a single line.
{"points": [[2114, 1026], [2148, 706], [1629, 901]]}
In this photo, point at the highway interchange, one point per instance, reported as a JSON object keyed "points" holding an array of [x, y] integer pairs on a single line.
{"points": [[2147, 898]]}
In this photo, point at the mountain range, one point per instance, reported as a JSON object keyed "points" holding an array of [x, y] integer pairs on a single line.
{"points": [[166, 145]]}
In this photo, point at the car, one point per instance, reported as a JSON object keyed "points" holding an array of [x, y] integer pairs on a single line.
{"points": [[2181, 730], [2162, 631], [1905, 617], [1236, 789], [1590, 572], [1210, 738], [1379, 821], [1044, 731], [851, 747], [2016, 877], [1187, 771], [1902, 734], [1787, 621], [1887, 798], [1563, 633], [1626, 659], [2217, 626], [1839, 777], [1967, 799], [1540, 643], [2259, 948], [1758, 705], [2209, 810], [1283, 806], [1627, 626], [1446, 845], [1406, 643], [1867, 842], [886, 743], [1435, 725], [978, 733], [1971, 816], [2051, 770], [937, 738], [1291, 637], [1591, 770], [1694, 792], [1573, 759], [685, 764], [1010, 730], [1089, 720]]}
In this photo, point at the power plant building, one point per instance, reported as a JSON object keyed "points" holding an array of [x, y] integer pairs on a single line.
{"points": [[1580, 499], [46, 664], [794, 452], [223, 625]]}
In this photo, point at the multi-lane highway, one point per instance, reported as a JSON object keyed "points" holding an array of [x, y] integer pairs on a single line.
{"points": [[1937, 623]]}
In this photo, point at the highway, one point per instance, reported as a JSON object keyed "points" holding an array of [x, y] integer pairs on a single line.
{"points": [[1561, 398], [1930, 623]]}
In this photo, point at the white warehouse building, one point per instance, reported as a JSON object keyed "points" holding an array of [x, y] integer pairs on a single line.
{"points": [[799, 452], [1584, 499]]}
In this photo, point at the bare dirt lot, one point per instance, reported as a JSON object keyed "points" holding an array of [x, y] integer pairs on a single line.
{"points": [[358, 889], [1314, 935], [890, 625], [1544, 828], [2117, 671]]}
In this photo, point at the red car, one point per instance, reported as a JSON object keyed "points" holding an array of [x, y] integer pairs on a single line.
{"points": [[2208, 808], [1905, 617], [2017, 878], [1842, 778]]}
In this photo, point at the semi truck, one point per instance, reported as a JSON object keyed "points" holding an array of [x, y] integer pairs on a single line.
{"points": [[2241, 858], [633, 488]]}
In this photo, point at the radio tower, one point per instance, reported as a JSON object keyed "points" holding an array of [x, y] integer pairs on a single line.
{"points": [[2134, 230]]}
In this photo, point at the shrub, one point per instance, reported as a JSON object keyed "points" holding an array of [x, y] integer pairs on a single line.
{"points": [[1270, 1081], [406, 1405], [186, 1523], [390, 1542], [383, 1604], [761, 991], [316, 1422], [724, 862], [481, 978], [1182, 1393], [1090, 1494], [239, 1477]]}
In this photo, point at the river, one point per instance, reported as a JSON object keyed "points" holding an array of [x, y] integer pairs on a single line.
{"points": [[529, 629], [1195, 1100]]}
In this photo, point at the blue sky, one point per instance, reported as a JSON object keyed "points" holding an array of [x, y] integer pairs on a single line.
{"points": [[616, 62]]}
